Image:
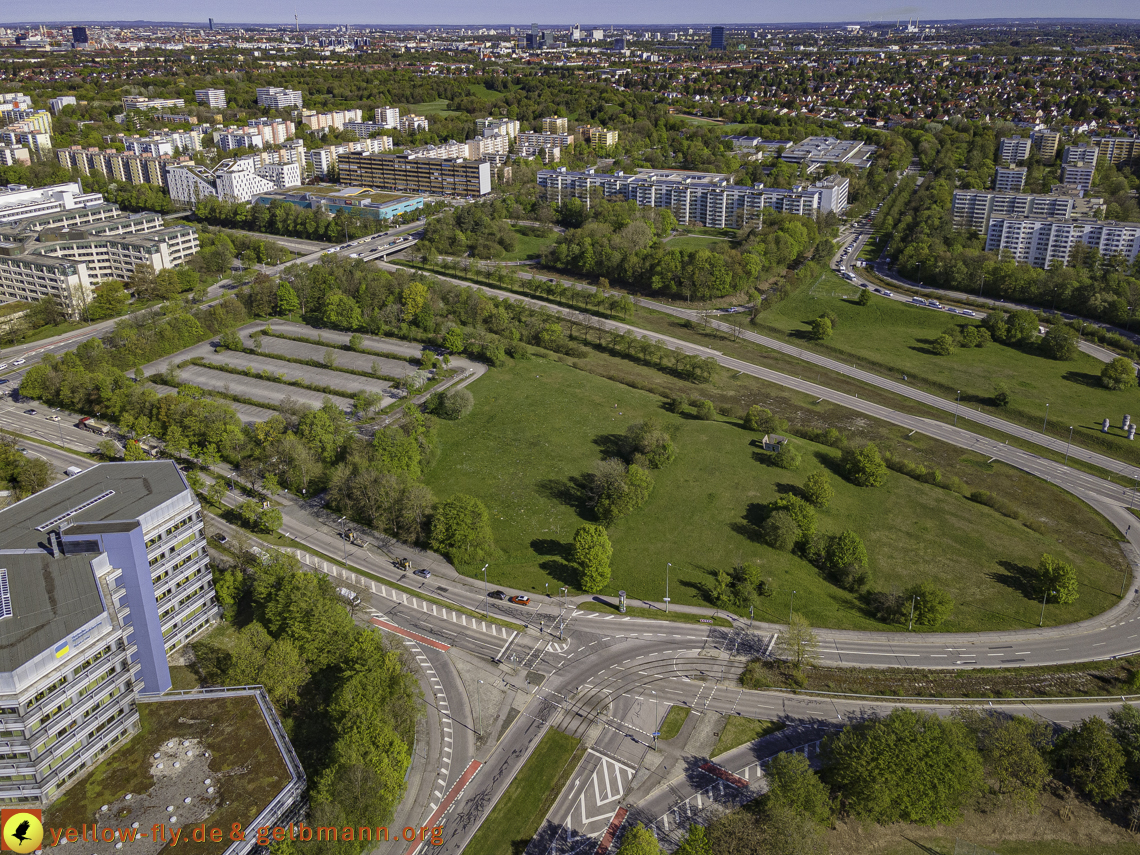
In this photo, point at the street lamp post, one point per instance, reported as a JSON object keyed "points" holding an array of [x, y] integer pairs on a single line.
{"points": [[1046, 422], [1043, 599], [667, 566], [910, 626], [751, 609], [790, 605], [1067, 444], [956, 403], [343, 541], [486, 599]]}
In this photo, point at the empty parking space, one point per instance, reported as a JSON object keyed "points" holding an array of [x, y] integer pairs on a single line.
{"points": [[371, 342], [317, 376], [255, 388], [344, 358]]}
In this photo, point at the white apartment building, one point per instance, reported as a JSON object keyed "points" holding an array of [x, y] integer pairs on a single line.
{"points": [[450, 150], [364, 130], [546, 153], [1047, 242], [31, 120], [276, 98], [228, 139], [973, 209], [15, 101], [18, 202], [1009, 179], [1080, 155], [1013, 149], [491, 127], [482, 147], [562, 140], [229, 181], [57, 104], [140, 102], [117, 256], [1078, 176], [104, 575], [33, 140], [322, 121], [697, 197], [156, 147], [412, 124], [388, 117], [215, 98], [273, 131], [555, 125], [322, 160]]}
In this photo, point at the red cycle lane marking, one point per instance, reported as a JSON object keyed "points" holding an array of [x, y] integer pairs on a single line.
{"points": [[407, 633], [456, 788], [608, 837]]}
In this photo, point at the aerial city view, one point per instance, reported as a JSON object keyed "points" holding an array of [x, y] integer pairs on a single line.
{"points": [[570, 429]]}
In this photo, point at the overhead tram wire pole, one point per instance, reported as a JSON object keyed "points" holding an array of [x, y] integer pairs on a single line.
{"points": [[910, 626], [486, 599], [956, 403], [667, 566], [1046, 422], [343, 541], [1043, 599], [790, 605], [657, 719]]}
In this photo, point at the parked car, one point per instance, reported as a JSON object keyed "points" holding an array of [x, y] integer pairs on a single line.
{"points": [[498, 595], [520, 600], [2, 382], [221, 538], [422, 573], [3, 365]]}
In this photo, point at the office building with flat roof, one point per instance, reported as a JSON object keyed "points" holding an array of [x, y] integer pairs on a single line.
{"points": [[101, 576], [277, 98], [407, 173], [18, 202], [716, 38]]}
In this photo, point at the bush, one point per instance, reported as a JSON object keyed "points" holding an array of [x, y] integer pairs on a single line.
{"points": [[817, 488], [821, 329], [1118, 374], [678, 404], [592, 554], [932, 606], [787, 458], [1056, 578], [780, 531], [452, 405], [1002, 396], [943, 345], [649, 439], [761, 420], [1060, 343], [865, 467], [461, 530], [845, 560], [800, 511], [705, 410]]}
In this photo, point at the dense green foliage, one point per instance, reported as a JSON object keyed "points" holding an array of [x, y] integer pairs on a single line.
{"points": [[461, 530], [592, 554]]}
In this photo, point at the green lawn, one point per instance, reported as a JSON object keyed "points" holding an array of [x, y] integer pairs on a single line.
{"points": [[437, 107], [893, 339], [528, 246], [693, 242], [674, 721], [540, 426], [516, 817], [739, 730]]}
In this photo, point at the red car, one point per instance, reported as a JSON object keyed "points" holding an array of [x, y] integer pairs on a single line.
{"points": [[520, 600]]}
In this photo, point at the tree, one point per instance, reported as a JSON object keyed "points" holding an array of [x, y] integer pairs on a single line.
{"points": [[110, 301], [1012, 749], [451, 405], [865, 467], [933, 605], [639, 840], [649, 440], [787, 458], [453, 340], [821, 329], [108, 449], [760, 420], [461, 530], [1060, 342], [792, 782], [801, 512], [287, 301], [704, 410], [780, 531], [864, 297], [817, 489], [134, 451], [845, 559], [341, 312], [790, 832], [1125, 724], [943, 345], [592, 554], [1118, 374], [1093, 760], [798, 644], [907, 767], [1002, 396], [695, 841], [283, 672], [1058, 579]]}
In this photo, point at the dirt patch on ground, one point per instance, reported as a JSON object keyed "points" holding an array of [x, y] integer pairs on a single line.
{"points": [[1065, 822]]}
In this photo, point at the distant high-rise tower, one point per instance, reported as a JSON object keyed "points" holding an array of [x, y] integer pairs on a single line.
{"points": [[79, 35], [717, 38], [211, 25]]}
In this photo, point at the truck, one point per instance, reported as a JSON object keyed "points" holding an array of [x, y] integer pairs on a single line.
{"points": [[72, 471], [88, 423]]}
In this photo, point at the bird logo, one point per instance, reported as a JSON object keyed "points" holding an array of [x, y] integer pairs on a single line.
{"points": [[22, 830]]}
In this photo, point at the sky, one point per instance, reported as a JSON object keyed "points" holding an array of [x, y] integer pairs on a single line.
{"points": [[523, 12]]}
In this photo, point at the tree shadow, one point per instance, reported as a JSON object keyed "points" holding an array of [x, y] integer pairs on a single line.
{"points": [[783, 489], [573, 492], [554, 548], [924, 346], [1017, 577], [1082, 379], [611, 445], [561, 571]]}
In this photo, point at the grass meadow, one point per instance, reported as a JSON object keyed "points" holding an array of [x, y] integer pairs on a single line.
{"points": [[539, 427]]}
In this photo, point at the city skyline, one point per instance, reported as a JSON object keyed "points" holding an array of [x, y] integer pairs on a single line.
{"points": [[636, 13]]}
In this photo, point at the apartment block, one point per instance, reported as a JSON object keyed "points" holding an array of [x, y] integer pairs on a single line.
{"points": [[161, 142], [230, 181], [57, 104], [38, 121], [276, 98], [18, 202], [273, 131], [599, 138], [412, 124], [562, 140], [140, 102], [546, 153], [18, 135], [336, 119], [388, 117], [1009, 179], [322, 160], [118, 166], [973, 209], [501, 127], [364, 130], [15, 101], [1047, 242], [1080, 155], [406, 173], [696, 197], [103, 575], [1118, 149], [1078, 176], [1047, 142], [485, 146], [215, 98], [1013, 149], [555, 125], [15, 155]]}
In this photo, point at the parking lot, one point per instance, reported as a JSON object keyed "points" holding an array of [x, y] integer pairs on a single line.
{"points": [[344, 358], [255, 388], [305, 373], [370, 342]]}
